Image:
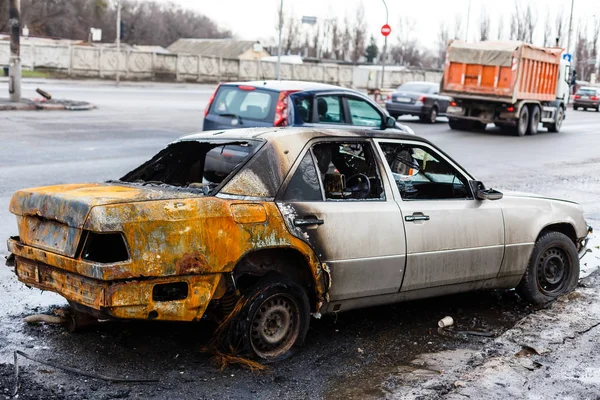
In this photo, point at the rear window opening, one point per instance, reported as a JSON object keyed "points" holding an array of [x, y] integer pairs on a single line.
{"points": [[242, 103], [196, 166]]}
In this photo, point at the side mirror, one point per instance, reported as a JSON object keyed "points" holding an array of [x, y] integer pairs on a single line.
{"points": [[390, 122], [481, 193]]}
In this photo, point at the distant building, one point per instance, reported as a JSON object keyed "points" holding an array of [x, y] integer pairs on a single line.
{"points": [[225, 48]]}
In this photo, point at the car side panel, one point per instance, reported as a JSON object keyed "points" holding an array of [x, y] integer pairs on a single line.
{"points": [[525, 218]]}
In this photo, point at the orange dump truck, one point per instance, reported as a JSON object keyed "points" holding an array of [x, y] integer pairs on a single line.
{"points": [[512, 84]]}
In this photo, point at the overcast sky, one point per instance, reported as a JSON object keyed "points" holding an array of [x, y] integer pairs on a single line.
{"points": [[257, 19]]}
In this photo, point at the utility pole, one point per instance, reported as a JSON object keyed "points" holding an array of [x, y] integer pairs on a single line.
{"points": [[279, 43], [570, 28], [384, 46], [118, 39], [14, 69]]}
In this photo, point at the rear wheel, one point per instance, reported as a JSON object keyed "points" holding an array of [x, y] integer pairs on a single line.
{"points": [[575, 108], [553, 269], [431, 117], [523, 122], [273, 321], [534, 120], [558, 120], [456, 124]]}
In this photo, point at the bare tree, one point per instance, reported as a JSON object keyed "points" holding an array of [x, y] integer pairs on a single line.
{"points": [[548, 40], [406, 51], [442, 41], [484, 26], [346, 40], [458, 26], [529, 21], [359, 31], [500, 32], [336, 39], [560, 26]]}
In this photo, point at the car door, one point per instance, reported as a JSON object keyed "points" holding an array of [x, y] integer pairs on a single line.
{"points": [[363, 114], [450, 236], [323, 110], [335, 199]]}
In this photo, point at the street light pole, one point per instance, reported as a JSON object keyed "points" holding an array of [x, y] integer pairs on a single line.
{"points": [[14, 70], [384, 46], [279, 43], [118, 39], [570, 28]]}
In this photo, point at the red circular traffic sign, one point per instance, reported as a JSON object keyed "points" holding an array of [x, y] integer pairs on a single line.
{"points": [[386, 30]]}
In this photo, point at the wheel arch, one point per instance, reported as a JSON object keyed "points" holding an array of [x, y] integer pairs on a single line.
{"points": [[287, 261], [565, 228]]}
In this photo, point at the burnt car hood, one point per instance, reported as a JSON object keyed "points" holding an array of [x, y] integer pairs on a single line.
{"points": [[71, 204]]}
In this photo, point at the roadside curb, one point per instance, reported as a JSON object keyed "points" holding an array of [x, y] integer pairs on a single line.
{"points": [[51, 105]]}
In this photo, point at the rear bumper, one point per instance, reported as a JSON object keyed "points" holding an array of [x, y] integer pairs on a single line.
{"points": [[128, 299], [408, 109], [588, 104]]}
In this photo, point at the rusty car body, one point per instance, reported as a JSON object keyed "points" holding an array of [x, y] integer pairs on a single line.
{"points": [[295, 222]]}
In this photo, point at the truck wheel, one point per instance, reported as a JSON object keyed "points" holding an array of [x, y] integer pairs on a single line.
{"points": [[523, 122], [553, 269], [575, 108], [534, 120], [273, 321], [558, 120], [455, 124]]}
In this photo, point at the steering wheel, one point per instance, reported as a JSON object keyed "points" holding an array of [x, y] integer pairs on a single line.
{"points": [[361, 188]]}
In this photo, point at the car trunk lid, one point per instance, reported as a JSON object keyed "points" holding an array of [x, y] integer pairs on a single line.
{"points": [[52, 217]]}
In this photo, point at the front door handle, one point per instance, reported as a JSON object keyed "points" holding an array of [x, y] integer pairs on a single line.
{"points": [[418, 216], [308, 220]]}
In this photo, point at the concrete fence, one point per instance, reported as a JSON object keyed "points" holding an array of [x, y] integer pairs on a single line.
{"points": [[97, 62]]}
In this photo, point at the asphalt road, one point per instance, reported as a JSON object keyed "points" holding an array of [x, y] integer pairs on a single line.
{"points": [[346, 357]]}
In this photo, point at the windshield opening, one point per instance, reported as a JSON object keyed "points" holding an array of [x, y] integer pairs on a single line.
{"points": [[194, 165]]}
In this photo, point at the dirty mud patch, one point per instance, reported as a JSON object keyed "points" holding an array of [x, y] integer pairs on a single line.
{"points": [[348, 355], [394, 336], [30, 389]]}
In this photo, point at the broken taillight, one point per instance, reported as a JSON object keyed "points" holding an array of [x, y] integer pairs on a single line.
{"points": [[104, 248], [210, 100], [281, 110]]}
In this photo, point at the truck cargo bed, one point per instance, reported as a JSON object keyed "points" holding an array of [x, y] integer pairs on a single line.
{"points": [[506, 71]]}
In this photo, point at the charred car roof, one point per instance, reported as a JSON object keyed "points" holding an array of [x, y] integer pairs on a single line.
{"points": [[265, 172]]}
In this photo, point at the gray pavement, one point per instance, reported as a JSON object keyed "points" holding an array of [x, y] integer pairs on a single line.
{"points": [[135, 120]]}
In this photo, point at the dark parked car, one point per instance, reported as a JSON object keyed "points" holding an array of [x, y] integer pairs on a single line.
{"points": [[293, 103], [587, 97], [421, 99]]}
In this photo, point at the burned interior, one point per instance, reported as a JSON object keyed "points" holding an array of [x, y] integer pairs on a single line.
{"points": [[196, 165]]}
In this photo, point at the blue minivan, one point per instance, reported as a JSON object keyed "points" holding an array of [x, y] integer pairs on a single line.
{"points": [[293, 103]]}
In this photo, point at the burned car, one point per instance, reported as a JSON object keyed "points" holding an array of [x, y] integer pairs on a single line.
{"points": [[264, 227]]}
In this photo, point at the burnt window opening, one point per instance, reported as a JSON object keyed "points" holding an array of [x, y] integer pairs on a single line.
{"points": [[193, 164], [348, 171], [304, 185], [170, 291], [421, 174], [105, 248]]}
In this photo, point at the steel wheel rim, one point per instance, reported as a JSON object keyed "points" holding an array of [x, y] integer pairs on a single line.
{"points": [[275, 326], [553, 271]]}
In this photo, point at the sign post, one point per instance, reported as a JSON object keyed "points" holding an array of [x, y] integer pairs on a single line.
{"points": [[385, 31]]}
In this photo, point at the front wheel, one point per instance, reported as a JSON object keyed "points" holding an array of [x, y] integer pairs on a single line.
{"points": [[553, 269], [273, 321]]}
